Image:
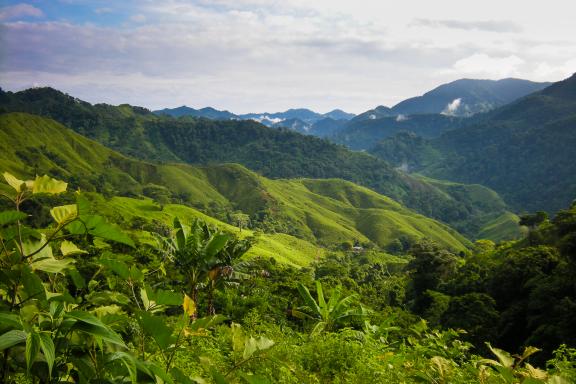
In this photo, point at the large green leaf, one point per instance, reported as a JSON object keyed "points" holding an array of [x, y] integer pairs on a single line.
{"points": [[17, 184], [159, 373], [48, 349], [64, 213], [97, 226], [180, 376], [10, 320], [163, 297], [52, 265], [38, 248], [69, 248], [91, 325], [216, 244], [33, 287], [12, 338], [309, 300], [9, 217], [46, 184], [504, 357], [117, 266], [32, 349], [155, 327], [253, 345], [129, 362]]}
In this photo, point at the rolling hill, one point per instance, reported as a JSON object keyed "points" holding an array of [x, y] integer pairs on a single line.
{"points": [[139, 133], [303, 212]]}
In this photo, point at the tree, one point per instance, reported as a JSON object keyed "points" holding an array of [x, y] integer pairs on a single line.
{"points": [[430, 267]]}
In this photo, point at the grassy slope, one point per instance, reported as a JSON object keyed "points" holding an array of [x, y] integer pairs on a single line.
{"points": [[501, 225], [318, 211]]}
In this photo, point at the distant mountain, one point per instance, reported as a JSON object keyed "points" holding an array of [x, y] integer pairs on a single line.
{"points": [[466, 97], [526, 150], [339, 114], [326, 127], [363, 134], [376, 113], [293, 124], [299, 120], [208, 113], [438, 111], [274, 153]]}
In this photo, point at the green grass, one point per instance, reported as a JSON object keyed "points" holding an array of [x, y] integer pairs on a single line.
{"points": [[504, 227], [321, 212]]}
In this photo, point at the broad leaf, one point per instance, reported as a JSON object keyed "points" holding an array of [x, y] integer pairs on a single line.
{"points": [[180, 376], [156, 328], [32, 349], [52, 265], [69, 248], [33, 286], [91, 325], [46, 184], [64, 213], [12, 338], [16, 183], [10, 320], [164, 297], [253, 345], [9, 217], [117, 266], [189, 306], [504, 357], [48, 349], [129, 362]]}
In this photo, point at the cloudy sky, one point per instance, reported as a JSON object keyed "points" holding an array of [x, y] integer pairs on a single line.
{"points": [[271, 55]]}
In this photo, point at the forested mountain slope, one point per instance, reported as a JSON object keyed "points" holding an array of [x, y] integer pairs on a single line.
{"points": [[324, 212], [525, 151], [274, 153]]}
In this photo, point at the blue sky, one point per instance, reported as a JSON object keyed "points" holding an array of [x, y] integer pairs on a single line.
{"points": [[271, 55]]}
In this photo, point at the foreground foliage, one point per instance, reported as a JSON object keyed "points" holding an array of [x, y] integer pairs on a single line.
{"points": [[81, 301]]}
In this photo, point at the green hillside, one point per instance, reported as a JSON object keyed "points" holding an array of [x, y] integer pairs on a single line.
{"points": [[274, 153], [524, 151], [322, 212]]}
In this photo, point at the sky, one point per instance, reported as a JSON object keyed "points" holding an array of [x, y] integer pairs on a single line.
{"points": [[267, 56]]}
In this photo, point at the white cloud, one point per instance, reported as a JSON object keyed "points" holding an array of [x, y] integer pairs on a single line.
{"points": [[452, 107], [256, 55], [483, 65], [17, 11]]}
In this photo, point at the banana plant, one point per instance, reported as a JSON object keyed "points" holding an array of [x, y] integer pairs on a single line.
{"points": [[195, 252], [327, 314]]}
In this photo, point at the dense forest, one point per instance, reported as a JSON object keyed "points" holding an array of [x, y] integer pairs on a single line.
{"points": [[274, 153], [229, 252], [84, 301], [523, 150]]}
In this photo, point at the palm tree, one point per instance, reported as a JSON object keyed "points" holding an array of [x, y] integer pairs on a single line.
{"points": [[327, 314]]}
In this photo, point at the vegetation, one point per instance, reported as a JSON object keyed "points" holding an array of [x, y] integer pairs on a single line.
{"points": [[523, 150], [82, 301], [273, 153]]}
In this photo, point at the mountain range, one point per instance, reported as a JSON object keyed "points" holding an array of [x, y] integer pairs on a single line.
{"points": [[524, 150], [139, 133], [460, 98]]}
